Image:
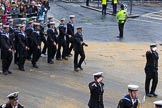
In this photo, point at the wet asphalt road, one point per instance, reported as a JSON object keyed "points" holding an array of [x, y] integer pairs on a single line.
{"points": [[58, 86]]}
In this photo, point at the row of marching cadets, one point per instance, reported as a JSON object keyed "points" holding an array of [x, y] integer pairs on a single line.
{"points": [[25, 40]]}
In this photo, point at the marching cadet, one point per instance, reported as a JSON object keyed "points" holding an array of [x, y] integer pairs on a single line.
{"points": [[151, 70], [121, 17], [13, 101], [29, 30], [50, 19], [130, 100], [36, 44], [62, 41], [34, 19], [23, 21], [70, 35], [41, 20], [52, 42], [96, 88], [16, 32], [114, 5], [158, 104], [11, 30], [7, 47], [1, 31], [78, 49], [22, 47]]}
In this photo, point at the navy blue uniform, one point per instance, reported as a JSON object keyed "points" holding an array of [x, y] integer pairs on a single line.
{"points": [[127, 102], [78, 50], [151, 70], [36, 41], [51, 39], [28, 32], [8, 105], [22, 47], [16, 32], [43, 39], [69, 40], [6, 44], [96, 95], [61, 42]]}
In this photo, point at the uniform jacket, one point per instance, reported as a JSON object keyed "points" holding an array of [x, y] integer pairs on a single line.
{"points": [[78, 38], [62, 32], [36, 38], [96, 95], [70, 29], [121, 16], [127, 102], [16, 32], [152, 61], [9, 106], [28, 31], [22, 40], [7, 42], [51, 36]]}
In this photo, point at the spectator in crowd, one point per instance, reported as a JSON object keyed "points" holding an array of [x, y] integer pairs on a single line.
{"points": [[8, 7], [1, 10], [28, 10], [34, 8], [41, 11], [22, 10], [14, 11]]}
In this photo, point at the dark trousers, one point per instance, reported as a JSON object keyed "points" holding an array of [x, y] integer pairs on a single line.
{"points": [[154, 78], [82, 57], [87, 2], [45, 45], [16, 55], [36, 54], [104, 9], [121, 29], [51, 52], [63, 45], [30, 51], [114, 9], [69, 43], [22, 58], [6, 60]]}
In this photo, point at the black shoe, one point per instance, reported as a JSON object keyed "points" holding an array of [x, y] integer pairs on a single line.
{"points": [[22, 69], [80, 67], [149, 95], [65, 58], [69, 55], [154, 94], [76, 70], [5, 73], [58, 59], [50, 62], [9, 72], [35, 66], [119, 37]]}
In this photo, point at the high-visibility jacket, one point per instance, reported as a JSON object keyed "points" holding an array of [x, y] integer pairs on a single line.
{"points": [[104, 2], [121, 16], [115, 1]]}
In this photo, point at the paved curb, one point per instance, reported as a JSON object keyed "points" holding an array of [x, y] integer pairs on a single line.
{"points": [[65, 1], [99, 10]]}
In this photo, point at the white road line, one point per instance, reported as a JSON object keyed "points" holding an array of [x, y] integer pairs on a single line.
{"points": [[146, 21]]}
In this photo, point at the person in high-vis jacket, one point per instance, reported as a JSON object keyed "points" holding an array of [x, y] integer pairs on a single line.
{"points": [[104, 6], [121, 17], [114, 5]]}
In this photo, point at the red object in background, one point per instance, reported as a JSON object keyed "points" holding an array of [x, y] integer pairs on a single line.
{"points": [[8, 9], [4, 18]]}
